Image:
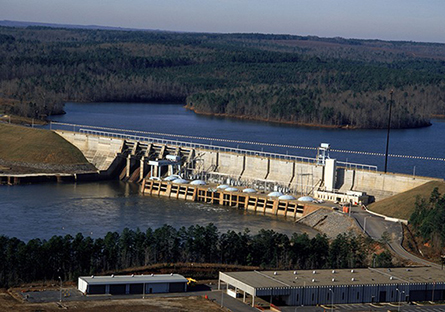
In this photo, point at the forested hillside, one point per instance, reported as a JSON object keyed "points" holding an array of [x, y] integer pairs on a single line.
{"points": [[293, 79], [428, 219]]}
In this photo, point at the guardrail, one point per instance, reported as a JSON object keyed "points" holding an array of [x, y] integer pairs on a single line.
{"points": [[349, 165], [192, 145]]}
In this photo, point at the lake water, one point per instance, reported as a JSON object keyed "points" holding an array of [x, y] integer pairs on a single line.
{"points": [[31, 211]]}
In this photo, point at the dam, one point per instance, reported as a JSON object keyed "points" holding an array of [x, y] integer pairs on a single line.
{"points": [[148, 160]]}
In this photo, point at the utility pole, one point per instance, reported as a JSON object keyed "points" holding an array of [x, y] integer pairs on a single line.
{"points": [[60, 296], [222, 298], [364, 226], [332, 299], [389, 129]]}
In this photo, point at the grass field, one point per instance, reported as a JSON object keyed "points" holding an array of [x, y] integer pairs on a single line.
{"points": [[30, 145], [402, 205]]}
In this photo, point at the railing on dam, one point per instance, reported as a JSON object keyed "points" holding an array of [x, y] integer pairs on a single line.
{"points": [[192, 145], [138, 136]]}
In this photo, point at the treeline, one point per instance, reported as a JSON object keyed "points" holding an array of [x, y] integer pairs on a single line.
{"points": [[428, 219], [314, 106], [70, 257], [242, 75]]}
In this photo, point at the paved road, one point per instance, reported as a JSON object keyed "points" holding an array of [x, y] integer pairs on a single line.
{"points": [[375, 227], [230, 303]]}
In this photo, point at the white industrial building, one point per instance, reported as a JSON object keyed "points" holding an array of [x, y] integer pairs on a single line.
{"points": [[132, 284], [314, 287]]}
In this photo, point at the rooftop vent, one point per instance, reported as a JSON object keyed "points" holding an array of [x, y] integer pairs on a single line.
{"points": [[391, 278], [313, 280], [92, 276], [112, 275], [333, 279], [295, 272], [352, 271], [132, 275], [352, 279], [314, 272], [171, 274], [274, 273], [333, 271]]}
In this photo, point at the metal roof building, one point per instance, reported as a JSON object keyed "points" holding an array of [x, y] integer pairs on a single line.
{"points": [[132, 284], [312, 287]]}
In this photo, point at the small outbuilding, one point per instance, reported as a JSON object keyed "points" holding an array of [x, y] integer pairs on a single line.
{"points": [[132, 284]]}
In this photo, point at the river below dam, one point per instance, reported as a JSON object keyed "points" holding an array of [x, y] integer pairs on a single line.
{"points": [[93, 209]]}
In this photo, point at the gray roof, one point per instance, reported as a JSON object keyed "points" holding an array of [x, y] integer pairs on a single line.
{"points": [[369, 276], [134, 279]]}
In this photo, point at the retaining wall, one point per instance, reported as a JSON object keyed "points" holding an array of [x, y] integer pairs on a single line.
{"points": [[381, 185], [99, 151]]}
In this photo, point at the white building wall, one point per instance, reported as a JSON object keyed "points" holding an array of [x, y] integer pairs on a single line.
{"points": [[82, 285]]}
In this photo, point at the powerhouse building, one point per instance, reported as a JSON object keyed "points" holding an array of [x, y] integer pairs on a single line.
{"points": [[132, 284], [313, 287]]}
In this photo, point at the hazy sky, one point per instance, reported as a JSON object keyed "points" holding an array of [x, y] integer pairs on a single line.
{"points": [[417, 20]]}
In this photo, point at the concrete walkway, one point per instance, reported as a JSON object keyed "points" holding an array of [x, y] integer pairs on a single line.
{"points": [[229, 303]]}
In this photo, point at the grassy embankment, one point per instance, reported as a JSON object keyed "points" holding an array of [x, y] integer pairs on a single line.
{"points": [[22, 147], [402, 205]]}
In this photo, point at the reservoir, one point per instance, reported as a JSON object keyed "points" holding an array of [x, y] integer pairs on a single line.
{"points": [[93, 209]]}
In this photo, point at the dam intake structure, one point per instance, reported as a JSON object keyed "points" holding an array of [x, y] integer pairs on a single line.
{"points": [[146, 159]]}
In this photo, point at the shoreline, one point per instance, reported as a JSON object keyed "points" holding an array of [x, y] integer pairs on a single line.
{"points": [[15, 119], [292, 123]]}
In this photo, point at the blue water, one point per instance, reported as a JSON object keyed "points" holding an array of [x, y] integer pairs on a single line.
{"points": [[175, 119], [93, 209]]}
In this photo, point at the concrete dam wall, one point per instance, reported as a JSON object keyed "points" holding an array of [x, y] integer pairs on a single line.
{"points": [[146, 157], [99, 151]]}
